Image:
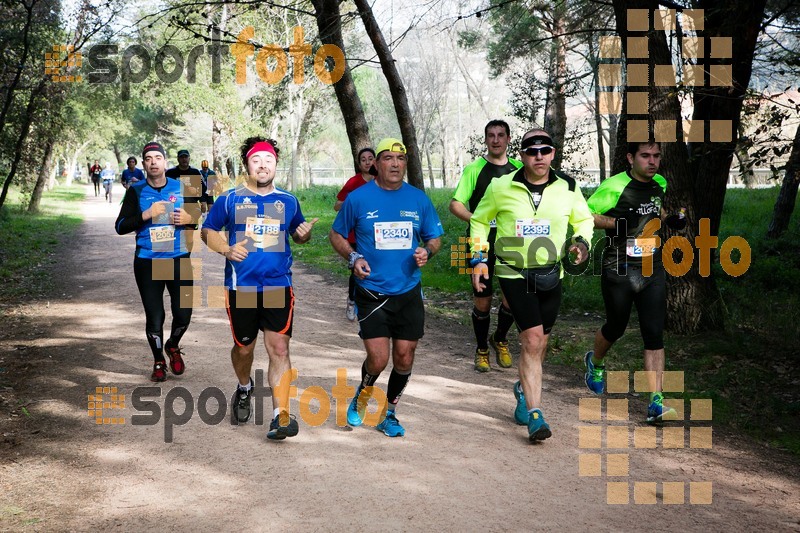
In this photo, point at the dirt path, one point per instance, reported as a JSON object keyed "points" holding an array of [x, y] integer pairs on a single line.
{"points": [[464, 464]]}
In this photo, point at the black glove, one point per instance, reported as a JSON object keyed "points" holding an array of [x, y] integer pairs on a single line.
{"points": [[677, 221]]}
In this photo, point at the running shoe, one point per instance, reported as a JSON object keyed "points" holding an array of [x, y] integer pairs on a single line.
{"points": [[350, 312], [390, 426], [176, 363], [537, 427], [595, 376], [282, 426], [521, 412], [159, 372], [357, 409], [242, 405], [482, 360], [501, 349], [656, 412]]}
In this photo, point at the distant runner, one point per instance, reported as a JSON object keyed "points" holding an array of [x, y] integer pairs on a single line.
{"points": [[366, 158]]}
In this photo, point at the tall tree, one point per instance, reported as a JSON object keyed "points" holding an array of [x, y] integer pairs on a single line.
{"points": [[787, 196], [398, 92], [329, 23]]}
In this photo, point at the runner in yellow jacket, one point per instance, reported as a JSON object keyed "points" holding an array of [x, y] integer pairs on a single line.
{"points": [[534, 208]]}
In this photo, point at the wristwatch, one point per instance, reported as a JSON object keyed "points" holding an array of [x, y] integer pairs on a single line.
{"points": [[353, 257]]}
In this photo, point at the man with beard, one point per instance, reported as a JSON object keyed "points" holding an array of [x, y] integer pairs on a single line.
{"points": [[259, 218]]}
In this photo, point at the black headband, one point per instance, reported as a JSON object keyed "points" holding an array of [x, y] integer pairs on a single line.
{"points": [[153, 147], [536, 140]]}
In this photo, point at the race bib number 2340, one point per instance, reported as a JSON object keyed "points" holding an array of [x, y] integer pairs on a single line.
{"points": [[393, 235]]}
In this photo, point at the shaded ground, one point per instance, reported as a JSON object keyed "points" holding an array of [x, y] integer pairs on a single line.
{"points": [[464, 464]]}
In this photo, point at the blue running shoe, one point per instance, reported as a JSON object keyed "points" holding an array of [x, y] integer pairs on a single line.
{"points": [[656, 412], [356, 412], [537, 427], [521, 412], [390, 426], [595, 376]]}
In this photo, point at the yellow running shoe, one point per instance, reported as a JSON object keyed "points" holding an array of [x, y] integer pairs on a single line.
{"points": [[482, 360], [501, 349]]}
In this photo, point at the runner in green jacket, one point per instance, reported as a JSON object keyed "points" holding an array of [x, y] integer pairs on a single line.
{"points": [[534, 208]]}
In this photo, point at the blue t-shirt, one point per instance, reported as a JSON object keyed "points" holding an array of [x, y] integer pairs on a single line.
{"points": [[389, 225], [128, 175], [266, 222], [107, 174], [155, 238]]}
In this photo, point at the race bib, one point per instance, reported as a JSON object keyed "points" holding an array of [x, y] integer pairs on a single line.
{"points": [[493, 223], [532, 227], [643, 247], [263, 231], [162, 234], [393, 235]]}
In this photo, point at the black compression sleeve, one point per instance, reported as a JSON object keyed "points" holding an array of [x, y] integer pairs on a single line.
{"points": [[130, 218]]}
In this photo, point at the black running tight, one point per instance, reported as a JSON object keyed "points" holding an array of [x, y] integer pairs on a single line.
{"points": [[152, 293]]}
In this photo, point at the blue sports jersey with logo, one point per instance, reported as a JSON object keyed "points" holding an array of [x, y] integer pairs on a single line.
{"points": [[264, 224], [389, 225], [157, 238], [128, 175]]}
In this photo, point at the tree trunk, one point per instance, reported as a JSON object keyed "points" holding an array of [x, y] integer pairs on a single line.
{"points": [[23, 135], [398, 92], [9, 91], [329, 23], [41, 179], [430, 167], [598, 123], [216, 143], [784, 205], [555, 113], [117, 155]]}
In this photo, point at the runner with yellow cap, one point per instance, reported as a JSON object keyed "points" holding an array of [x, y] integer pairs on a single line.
{"points": [[397, 230]]}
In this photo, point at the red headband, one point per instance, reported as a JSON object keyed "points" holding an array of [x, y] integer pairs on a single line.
{"points": [[261, 146]]}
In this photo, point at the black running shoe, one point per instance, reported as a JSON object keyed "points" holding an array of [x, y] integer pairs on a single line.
{"points": [[277, 431], [241, 405]]}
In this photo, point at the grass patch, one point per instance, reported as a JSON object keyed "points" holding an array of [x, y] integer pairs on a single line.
{"points": [[31, 240]]}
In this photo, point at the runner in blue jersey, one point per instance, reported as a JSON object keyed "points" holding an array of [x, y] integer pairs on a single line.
{"points": [[131, 174], [397, 230], [259, 218], [153, 208]]}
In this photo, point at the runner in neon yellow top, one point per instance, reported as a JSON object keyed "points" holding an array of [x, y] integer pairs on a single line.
{"points": [[534, 207], [474, 180]]}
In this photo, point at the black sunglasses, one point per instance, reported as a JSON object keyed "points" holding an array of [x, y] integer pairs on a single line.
{"points": [[532, 150]]}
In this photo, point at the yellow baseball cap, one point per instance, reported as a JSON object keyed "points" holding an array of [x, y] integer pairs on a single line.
{"points": [[393, 145]]}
